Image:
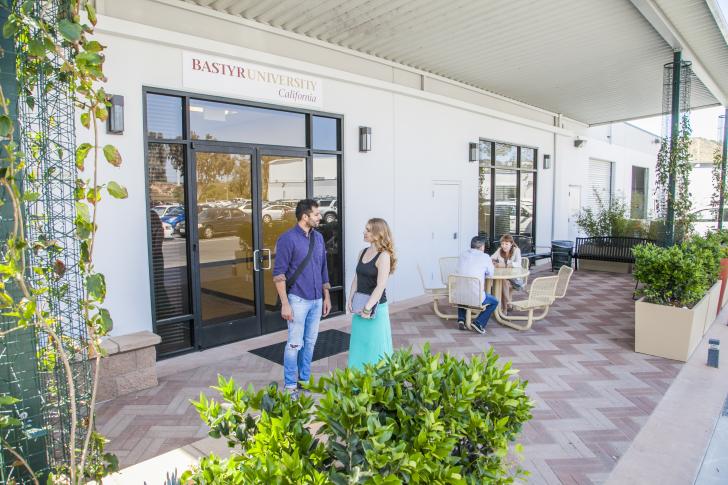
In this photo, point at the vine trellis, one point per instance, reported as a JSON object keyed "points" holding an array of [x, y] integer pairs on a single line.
{"points": [[51, 297]]}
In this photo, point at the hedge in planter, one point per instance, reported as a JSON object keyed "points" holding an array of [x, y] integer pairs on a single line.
{"points": [[409, 419], [672, 276], [708, 251]]}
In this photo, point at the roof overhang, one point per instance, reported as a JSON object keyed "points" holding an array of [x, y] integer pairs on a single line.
{"points": [[592, 61]]}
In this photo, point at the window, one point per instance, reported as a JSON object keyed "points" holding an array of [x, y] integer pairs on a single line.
{"points": [[638, 201], [164, 117], [211, 120], [325, 133], [600, 183], [507, 189]]}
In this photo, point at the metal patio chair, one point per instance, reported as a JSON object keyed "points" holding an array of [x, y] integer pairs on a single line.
{"points": [[540, 297], [466, 292], [448, 265], [436, 293]]}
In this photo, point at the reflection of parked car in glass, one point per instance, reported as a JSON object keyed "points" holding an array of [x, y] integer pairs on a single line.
{"points": [[276, 212], [245, 206], [182, 228], [329, 210], [292, 203], [174, 216], [215, 222], [168, 230], [164, 209]]}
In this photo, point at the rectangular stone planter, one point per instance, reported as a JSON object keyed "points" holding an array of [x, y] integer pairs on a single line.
{"points": [[608, 266], [713, 296], [667, 331], [130, 364]]}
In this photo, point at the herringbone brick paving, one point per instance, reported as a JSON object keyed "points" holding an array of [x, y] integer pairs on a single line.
{"points": [[593, 393]]}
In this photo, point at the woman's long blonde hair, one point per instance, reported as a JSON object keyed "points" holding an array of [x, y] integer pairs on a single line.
{"points": [[382, 238]]}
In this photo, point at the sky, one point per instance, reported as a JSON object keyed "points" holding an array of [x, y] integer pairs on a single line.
{"points": [[705, 122]]}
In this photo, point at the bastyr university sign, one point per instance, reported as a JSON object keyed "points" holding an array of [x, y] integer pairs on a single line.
{"points": [[251, 81]]}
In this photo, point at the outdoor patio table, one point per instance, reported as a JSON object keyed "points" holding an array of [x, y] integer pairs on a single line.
{"points": [[497, 284]]}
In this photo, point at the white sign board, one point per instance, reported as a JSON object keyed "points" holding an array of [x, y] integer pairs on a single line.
{"points": [[242, 79]]}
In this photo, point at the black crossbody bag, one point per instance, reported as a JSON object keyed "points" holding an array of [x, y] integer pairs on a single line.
{"points": [[304, 263]]}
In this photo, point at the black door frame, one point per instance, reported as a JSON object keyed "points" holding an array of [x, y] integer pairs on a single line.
{"points": [[230, 330], [189, 145], [263, 321], [271, 323]]}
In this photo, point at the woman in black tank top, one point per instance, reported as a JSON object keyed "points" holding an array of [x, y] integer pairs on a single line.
{"points": [[371, 332], [366, 276]]}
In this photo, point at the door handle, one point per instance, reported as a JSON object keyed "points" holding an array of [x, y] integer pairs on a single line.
{"points": [[270, 260], [454, 235], [255, 260]]}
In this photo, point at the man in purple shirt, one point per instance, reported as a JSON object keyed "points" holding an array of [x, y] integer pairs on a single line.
{"points": [[303, 290]]}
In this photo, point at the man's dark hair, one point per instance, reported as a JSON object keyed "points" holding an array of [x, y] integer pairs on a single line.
{"points": [[478, 242], [305, 206]]}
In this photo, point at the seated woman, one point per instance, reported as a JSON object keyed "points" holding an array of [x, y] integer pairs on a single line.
{"points": [[508, 256]]}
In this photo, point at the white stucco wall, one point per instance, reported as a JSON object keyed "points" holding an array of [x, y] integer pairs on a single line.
{"points": [[417, 138]]}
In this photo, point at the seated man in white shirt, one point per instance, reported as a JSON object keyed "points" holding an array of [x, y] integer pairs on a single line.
{"points": [[475, 262]]}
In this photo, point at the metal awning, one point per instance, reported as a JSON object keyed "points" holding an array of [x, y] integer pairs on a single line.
{"points": [[595, 61]]}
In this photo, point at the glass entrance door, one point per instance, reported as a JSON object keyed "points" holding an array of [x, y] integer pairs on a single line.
{"points": [[245, 199], [222, 228], [282, 184]]}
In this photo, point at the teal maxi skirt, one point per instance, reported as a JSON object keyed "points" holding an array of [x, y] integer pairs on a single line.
{"points": [[371, 339]]}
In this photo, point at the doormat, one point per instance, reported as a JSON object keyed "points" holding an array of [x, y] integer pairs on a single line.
{"points": [[329, 342]]}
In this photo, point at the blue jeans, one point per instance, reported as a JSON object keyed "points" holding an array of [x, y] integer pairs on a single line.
{"points": [[482, 319], [302, 334]]}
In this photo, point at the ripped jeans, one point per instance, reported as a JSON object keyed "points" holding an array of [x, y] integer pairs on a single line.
{"points": [[302, 334]]}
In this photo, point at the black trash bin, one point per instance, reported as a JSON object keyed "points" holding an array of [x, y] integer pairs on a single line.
{"points": [[561, 253]]}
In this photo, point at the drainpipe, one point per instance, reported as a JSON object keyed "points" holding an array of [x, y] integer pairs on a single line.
{"points": [[557, 123]]}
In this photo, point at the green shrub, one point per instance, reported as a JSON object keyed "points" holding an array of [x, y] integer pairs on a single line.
{"points": [[425, 419], [671, 276], [708, 251], [610, 219]]}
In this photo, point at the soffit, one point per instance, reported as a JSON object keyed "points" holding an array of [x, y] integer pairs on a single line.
{"points": [[594, 61]]}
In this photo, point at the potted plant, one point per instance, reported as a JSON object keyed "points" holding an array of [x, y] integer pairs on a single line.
{"points": [[679, 292]]}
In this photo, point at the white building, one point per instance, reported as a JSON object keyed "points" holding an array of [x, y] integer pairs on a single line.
{"points": [[222, 109]]}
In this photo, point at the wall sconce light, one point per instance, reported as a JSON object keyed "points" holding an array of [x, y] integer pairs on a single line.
{"points": [[473, 152], [546, 162], [365, 139], [115, 121], [578, 143]]}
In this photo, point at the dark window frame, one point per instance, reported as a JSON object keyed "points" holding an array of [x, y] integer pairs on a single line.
{"points": [[518, 170], [187, 142]]}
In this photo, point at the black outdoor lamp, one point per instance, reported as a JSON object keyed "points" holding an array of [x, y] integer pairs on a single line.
{"points": [[473, 152], [546, 162], [115, 121], [365, 139]]}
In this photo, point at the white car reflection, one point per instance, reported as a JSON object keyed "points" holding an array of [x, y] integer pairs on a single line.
{"points": [[168, 230]]}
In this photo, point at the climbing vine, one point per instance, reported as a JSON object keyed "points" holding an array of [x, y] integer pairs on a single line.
{"points": [[717, 167], [58, 53], [676, 161]]}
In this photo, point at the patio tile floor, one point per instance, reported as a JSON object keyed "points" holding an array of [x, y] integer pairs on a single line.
{"points": [[592, 392]]}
